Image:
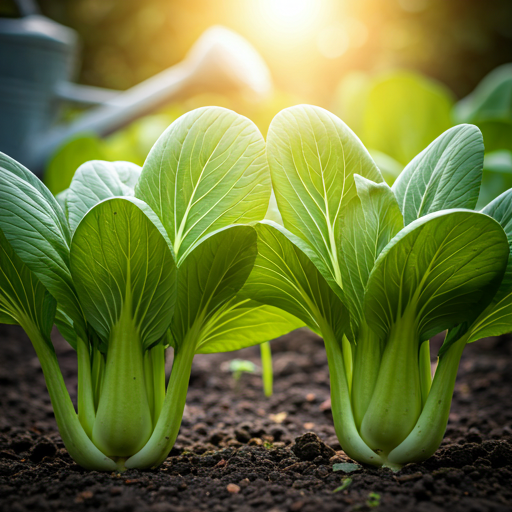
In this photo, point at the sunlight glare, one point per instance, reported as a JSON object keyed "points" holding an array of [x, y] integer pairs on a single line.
{"points": [[291, 15]]}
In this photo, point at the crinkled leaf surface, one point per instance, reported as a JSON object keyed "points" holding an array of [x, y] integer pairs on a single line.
{"points": [[243, 323], [210, 276], [447, 174], [23, 298], [120, 256], [35, 226], [284, 277], [95, 181], [447, 266], [369, 223], [208, 170], [313, 156]]}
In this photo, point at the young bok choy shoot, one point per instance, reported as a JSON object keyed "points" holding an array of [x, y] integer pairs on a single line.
{"points": [[132, 262], [378, 271]]}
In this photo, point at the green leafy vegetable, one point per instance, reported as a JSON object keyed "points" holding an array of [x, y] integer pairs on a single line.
{"points": [[101, 264], [406, 263]]}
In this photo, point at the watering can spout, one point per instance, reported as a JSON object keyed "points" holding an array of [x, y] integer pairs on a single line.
{"points": [[220, 60]]}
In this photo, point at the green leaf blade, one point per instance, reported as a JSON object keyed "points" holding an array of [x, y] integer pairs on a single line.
{"points": [[22, 296], [95, 181], [207, 171], [312, 156], [244, 324], [447, 174], [284, 277], [35, 226], [210, 276], [447, 266], [370, 222], [497, 317], [118, 257]]}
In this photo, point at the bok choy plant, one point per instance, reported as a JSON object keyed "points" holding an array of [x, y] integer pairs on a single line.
{"points": [[378, 271], [132, 262]]}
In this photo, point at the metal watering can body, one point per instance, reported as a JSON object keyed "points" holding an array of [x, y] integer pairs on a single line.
{"points": [[36, 55], [38, 58]]}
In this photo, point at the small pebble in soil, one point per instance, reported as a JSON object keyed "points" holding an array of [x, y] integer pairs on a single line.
{"points": [[233, 488]]}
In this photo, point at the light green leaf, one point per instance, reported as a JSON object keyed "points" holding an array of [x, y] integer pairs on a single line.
{"points": [[65, 326], [243, 323], [370, 222], [404, 113], [35, 226], [61, 198], [447, 174], [121, 258], [211, 275], [285, 278], [497, 176], [95, 181], [496, 319], [388, 166], [23, 299], [490, 101], [313, 156], [207, 171], [69, 157], [443, 268]]}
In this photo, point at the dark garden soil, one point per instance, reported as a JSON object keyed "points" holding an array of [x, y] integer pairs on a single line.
{"points": [[239, 451]]}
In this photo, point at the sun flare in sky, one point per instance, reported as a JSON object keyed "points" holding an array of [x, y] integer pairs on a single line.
{"points": [[291, 16]]}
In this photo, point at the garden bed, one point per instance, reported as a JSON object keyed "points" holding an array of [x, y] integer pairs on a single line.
{"points": [[239, 451]]}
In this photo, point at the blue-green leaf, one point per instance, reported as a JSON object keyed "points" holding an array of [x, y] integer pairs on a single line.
{"points": [[95, 181], [447, 174], [443, 269]]}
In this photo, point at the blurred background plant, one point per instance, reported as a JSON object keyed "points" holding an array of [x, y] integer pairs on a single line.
{"points": [[339, 54]]}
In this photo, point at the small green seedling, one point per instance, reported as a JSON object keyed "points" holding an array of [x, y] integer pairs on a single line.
{"points": [[240, 366], [345, 483], [373, 500]]}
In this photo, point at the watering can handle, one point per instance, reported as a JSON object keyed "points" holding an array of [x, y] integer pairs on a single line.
{"points": [[27, 7], [219, 59]]}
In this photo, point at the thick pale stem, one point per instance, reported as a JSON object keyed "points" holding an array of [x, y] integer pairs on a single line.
{"points": [[86, 408], [98, 373], [80, 447], [396, 402], [347, 360], [154, 368], [266, 368], [148, 380], [429, 430], [425, 371], [344, 423], [366, 370], [123, 420], [166, 430]]}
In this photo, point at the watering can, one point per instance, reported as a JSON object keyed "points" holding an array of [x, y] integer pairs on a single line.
{"points": [[38, 58]]}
